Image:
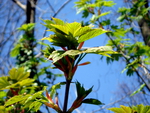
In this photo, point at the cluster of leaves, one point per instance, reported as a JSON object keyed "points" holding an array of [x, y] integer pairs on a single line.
{"points": [[133, 13], [133, 109], [70, 37], [17, 83], [24, 49], [20, 93], [23, 82]]}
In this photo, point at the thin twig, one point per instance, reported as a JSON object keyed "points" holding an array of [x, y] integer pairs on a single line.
{"points": [[51, 6], [19, 4], [104, 107], [61, 7]]}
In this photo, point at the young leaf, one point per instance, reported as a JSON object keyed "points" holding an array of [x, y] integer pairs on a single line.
{"points": [[138, 90], [25, 82], [27, 27], [35, 105], [16, 99], [141, 108], [55, 87], [123, 109], [18, 74], [81, 92], [58, 21], [102, 50], [4, 82], [15, 51], [91, 34]]}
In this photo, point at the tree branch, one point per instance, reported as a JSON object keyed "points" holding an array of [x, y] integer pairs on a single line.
{"points": [[61, 7], [19, 4], [104, 107]]}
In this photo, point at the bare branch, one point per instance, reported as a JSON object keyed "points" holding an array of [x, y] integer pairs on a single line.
{"points": [[50, 6], [104, 107], [61, 7], [19, 4]]}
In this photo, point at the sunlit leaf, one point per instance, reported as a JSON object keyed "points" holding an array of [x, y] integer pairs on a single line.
{"points": [[27, 27], [15, 51], [133, 109], [123, 109], [58, 21], [22, 83], [18, 74], [16, 99], [35, 105], [55, 87], [102, 50], [91, 34], [138, 90], [73, 27], [141, 108], [4, 82]]}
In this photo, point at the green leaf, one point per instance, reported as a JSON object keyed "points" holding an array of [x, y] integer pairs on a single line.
{"points": [[102, 50], [18, 74], [133, 109], [82, 30], [92, 101], [96, 17], [35, 106], [138, 90], [123, 109], [15, 51], [55, 87], [58, 21], [91, 34], [3, 109], [81, 92], [22, 83], [141, 108], [34, 96], [4, 82], [62, 40], [2, 94], [16, 99], [27, 27]]}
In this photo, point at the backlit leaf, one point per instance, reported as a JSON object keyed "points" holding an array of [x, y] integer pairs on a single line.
{"points": [[102, 50], [138, 90], [55, 87], [18, 74], [4, 82], [16, 99], [91, 34], [123, 109]]}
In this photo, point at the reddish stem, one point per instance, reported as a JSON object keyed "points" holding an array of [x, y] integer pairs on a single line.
{"points": [[13, 91], [80, 45], [74, 69], [64, 48], [61, 64]]}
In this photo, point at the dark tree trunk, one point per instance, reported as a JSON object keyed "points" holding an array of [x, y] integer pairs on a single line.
{"points": [[144, 24]]}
